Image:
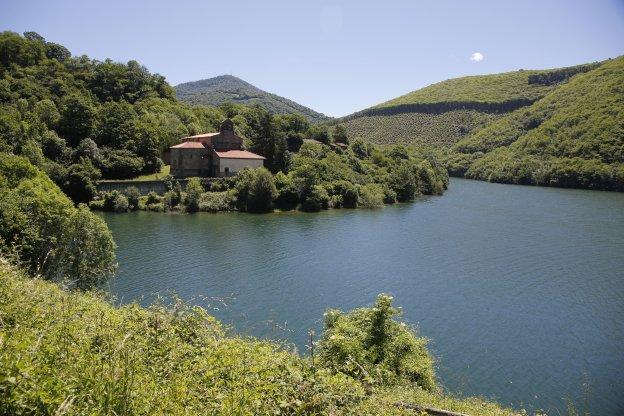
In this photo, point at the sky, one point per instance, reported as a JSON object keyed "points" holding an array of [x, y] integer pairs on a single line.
{"points": [[335, 57]]}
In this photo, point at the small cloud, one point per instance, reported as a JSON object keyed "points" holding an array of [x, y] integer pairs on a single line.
{"points": [[476, 57]]}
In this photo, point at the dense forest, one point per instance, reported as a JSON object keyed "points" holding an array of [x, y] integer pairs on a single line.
{"points": [[227, 88], [573, 137]]}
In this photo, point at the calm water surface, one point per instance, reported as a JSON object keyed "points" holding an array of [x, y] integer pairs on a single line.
{"points": [[520, 289]]}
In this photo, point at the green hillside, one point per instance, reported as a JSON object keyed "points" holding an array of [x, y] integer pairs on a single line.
{"points": [[446, 112], [573, 137], [227, 88], [522, 85]]}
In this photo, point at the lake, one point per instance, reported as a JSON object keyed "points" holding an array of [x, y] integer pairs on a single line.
{"points": [[520, 289]]}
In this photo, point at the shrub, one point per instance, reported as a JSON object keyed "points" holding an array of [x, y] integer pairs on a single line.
{"points": [[172, 199], [347, 191], [120, 203], [371, 196], [41, 226], [371, 345], [404, 182], [153, 198], [194, 190], [316, 200], [217, 201], [109, 200], [256, 190], [133, 194]]}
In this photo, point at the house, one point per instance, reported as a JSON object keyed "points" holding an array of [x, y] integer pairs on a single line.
{"points": [[212, 154]]}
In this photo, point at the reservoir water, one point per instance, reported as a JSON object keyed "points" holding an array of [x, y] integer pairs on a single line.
{"points": [[520, 289]]}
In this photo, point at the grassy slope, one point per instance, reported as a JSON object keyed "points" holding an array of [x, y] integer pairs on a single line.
{"points": [[480, 88], [446, 112], [580, 124], [73, 353], [227, 88]]}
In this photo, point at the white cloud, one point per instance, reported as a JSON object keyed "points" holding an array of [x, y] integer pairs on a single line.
{"points": [[476, 57]]}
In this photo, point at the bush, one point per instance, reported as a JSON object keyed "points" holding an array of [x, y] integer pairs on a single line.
{"points": [[120, 203], [256, 190], [172, 199], [347, 191], [404, 182], [133, 194], [153, 198], [40, 225], [371, 196], [121, 164], [369, 344], [218, 201], [194, 190], [316, 200]]}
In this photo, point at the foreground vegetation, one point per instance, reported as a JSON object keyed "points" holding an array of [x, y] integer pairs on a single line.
{"points": [[318, 177], [42, 230], [73, 353]]}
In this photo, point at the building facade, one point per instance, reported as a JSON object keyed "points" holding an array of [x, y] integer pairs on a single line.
{"points": [[212, 154]]}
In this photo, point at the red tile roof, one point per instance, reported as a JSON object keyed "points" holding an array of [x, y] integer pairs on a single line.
{"points": [[238, 154], [188, 145]]}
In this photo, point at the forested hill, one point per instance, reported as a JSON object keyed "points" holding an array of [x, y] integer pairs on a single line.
{"points": [[572, 137], [228, 88], [444, 113]]}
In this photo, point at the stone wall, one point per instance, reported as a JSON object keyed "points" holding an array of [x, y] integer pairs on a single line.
{"points": [[144, 187]]}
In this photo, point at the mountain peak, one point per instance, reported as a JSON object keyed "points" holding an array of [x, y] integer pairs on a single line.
{"points": [[229, 88]]}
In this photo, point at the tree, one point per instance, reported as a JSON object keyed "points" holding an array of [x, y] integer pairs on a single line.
{"points": [[404, 182], [319, 132], [88, 255], [80, 182], [256, 190], [77, 118], [40, 225], [116, 125], [121, 164], [339, 134], [194, 190], [316, 200]]}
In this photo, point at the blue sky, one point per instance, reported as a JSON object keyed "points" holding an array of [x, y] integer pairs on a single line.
{"points": [[333, 56]]}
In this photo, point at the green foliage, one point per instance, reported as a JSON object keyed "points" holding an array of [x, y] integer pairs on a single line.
{"points": [[316, 199], [41, 226], [255, 190], [134, 195], [404, 182], [495, 88], [79, 181], [218, 201], [573, 137], [339, 134], [228, 89], [194, 190], [369, 344], [372, 195]]}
